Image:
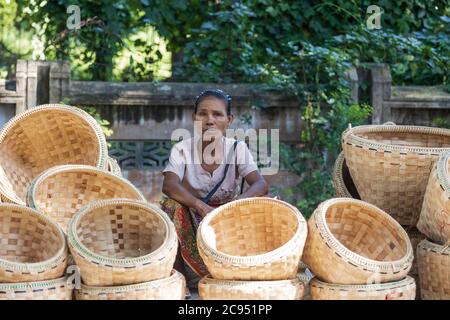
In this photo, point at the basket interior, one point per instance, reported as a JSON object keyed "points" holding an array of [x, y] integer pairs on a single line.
{"points": [[27, 238], [121, 231], [410, 139], [43, 140], [366, 232], [348, 181], [253, 228], [62, 194]]}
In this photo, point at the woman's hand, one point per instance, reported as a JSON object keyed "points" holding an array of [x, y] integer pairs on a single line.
{"points": [[203, 209]]}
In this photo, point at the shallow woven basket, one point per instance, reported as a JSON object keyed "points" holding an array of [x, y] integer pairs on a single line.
{"points": [[121, 241], [354, 242], [390, 165], [61, 191], [57, 289], [433, 262], [171, 288], [113, 167], [404, 289], [214, 289], [434, 218], [252, 239], [343, 183], [43, 137]]}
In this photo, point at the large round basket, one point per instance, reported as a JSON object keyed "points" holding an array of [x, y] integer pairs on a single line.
{"points": [[354, 242], [433, 262], [122, 241], [61, 191], [390, 165], [434, 218], [252, 239], [214, 289], [343, 183], [57, 289], [33, 247], [114, 167], [404, 289], [171, 288], [43, 137]]}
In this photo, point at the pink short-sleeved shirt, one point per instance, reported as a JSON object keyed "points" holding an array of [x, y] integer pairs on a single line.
{"points": [[199, 181]]}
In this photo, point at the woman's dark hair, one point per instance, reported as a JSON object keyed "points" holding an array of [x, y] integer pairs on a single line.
{"points": [[214, 93]]}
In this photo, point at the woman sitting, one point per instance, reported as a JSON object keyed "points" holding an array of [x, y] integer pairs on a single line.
{"points": [[198, 180]]}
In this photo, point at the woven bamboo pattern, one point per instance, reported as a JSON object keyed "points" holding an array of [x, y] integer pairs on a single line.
{"points": [[404, 289], [352, 242], [171, 288], [43, 137], [433, 262], [214, 289], [415, 236], [32, 246], [122, 241], [434, 218], [390, 165], [342, 181], [113, 167], [252, 239], [61, 191], [57, 289]]}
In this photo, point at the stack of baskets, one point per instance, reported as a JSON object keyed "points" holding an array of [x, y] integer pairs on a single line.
{"points": [[391, 167], [252, 249], [357, 251], [53, 158]]}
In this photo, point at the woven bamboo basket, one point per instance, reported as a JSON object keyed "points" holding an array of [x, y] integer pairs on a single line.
{"points": [[33, 247], [390, 165], [61, 191], [353, 242], [252, 239], [433, 262], [214, 289], [342, 180], [404, 289], [43, 137], [434, 218], [122, 241], [57, 289], [305, 277], [113, 167], [171, 288]]}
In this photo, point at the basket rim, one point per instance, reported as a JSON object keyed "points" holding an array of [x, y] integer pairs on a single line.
{"points": [[427, 245], [31, 196], [209, 280], [350, 136], [83, 251], [299, 235], [57, 258], [113, 166], [338, 181], [34, 285], [358, 260], [174, 277], [408, 280], [10, 195], [442, 172]]}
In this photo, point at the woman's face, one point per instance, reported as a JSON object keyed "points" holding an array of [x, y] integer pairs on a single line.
{"points": [[212, 112]]}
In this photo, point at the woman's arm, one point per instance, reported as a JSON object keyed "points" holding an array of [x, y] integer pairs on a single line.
{"points": [[258, 186], [173, 188]]}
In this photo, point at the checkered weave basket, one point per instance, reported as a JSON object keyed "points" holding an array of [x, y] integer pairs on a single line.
{"points": [[61, 191], [353, 242], [404, 289], [171, 288], [32, 246], [252, 239], [390, 165], [214, 289], [122, 241], [343, 183], [43, 137], [433, 262], [434, 218], [57, 289]]}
